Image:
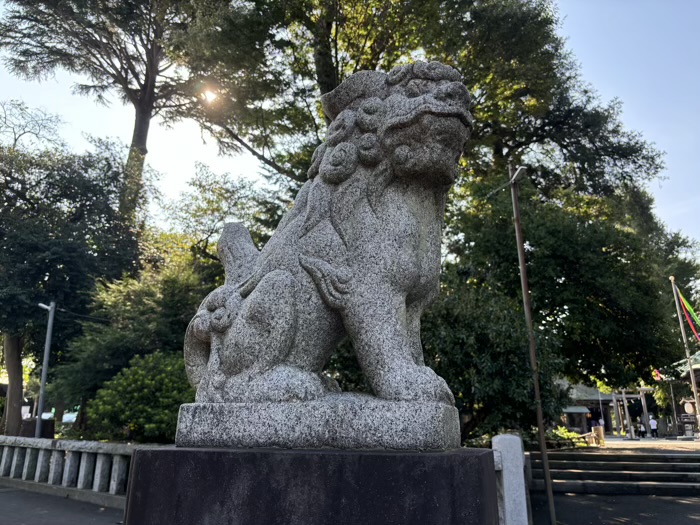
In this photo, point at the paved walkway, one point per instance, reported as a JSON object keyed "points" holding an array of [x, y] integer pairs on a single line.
{"points": [[649, 446], [20, 507], [590, 509]]}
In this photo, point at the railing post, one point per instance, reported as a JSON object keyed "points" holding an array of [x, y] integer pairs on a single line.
{"points": [[70, 469], [117, 482], [42, 466], [103, 470], [18, 462], [6, 462], [86, 472], [56, 467], [29, 469], [512, 492]]}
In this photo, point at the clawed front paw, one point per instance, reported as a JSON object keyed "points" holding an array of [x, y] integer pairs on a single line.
{"points": [[414, 383]]}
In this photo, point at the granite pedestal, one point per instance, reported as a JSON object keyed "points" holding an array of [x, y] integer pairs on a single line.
{"points": [[346, 421], [181, 486]]}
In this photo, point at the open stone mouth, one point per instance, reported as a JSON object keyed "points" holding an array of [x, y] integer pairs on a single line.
{"points": [[441, 111]]}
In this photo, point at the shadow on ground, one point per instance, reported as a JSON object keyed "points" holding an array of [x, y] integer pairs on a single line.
{"points": [[20, 507], [590, 509]]}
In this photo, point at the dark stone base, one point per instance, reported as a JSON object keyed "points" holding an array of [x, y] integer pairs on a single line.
{"points": [[185, 486]]}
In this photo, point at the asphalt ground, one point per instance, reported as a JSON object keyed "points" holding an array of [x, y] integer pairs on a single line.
{"points": [[590, 509], [21, 507], [18, 507]]}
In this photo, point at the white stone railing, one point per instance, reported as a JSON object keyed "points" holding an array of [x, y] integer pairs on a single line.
{"points": [[85, 470], [509, 460]]}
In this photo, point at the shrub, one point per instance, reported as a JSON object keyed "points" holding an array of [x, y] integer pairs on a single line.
{"points": [[141, 402]]}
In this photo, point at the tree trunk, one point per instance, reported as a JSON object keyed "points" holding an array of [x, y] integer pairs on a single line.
{"points": [[60, 407], [12, 345], [81, 419], [326, 71], [133, 183]]}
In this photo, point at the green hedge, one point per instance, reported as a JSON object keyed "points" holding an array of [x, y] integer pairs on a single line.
{"points": [[141, 402]]}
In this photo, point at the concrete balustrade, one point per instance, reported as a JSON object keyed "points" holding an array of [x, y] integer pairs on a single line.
{"points": [[83, 470]]}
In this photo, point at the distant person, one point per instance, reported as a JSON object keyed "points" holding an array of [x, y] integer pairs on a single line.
{"points": [[653, 426], [642, 431]]}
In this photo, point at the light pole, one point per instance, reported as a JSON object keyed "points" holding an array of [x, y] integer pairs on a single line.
{"points": [[45, 368], [514, 192]]}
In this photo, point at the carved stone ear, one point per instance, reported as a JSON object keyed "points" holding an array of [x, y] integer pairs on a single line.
{"points": [[362, 84]]}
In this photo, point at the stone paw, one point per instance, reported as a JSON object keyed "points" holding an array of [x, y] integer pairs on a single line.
{"points": [[413, 383]]}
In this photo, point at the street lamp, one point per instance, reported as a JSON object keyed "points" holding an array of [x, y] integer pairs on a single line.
{"points": [[45, 368]]}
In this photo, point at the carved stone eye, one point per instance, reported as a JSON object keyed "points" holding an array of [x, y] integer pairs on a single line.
{"points": [[413, 89]]}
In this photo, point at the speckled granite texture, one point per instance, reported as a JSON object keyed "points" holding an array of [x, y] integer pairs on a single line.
{"points": [[346, 421], [358, 256]]}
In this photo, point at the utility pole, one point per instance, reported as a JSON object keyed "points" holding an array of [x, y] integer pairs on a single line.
{"points": [[514, 191], [45, 368], [687, 351]]}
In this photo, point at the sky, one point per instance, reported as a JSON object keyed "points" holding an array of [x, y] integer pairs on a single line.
{"points": [[644, 52]]}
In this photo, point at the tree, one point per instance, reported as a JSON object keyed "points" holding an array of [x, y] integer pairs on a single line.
{"points": [[121, 47], [217, 198], [597, 254], [59, 231], [273, 111]]}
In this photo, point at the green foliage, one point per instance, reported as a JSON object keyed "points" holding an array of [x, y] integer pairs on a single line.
{"points": [[141, 315], [597, 279], [475, 338], [565, 437], [215, 199], [141, 402]]}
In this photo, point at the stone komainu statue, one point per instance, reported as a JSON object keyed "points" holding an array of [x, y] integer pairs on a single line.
{"points": [[357, 256]]}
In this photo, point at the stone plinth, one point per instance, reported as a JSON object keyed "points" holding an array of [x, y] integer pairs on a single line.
{"points": [[179, 486], [344, 421]]}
